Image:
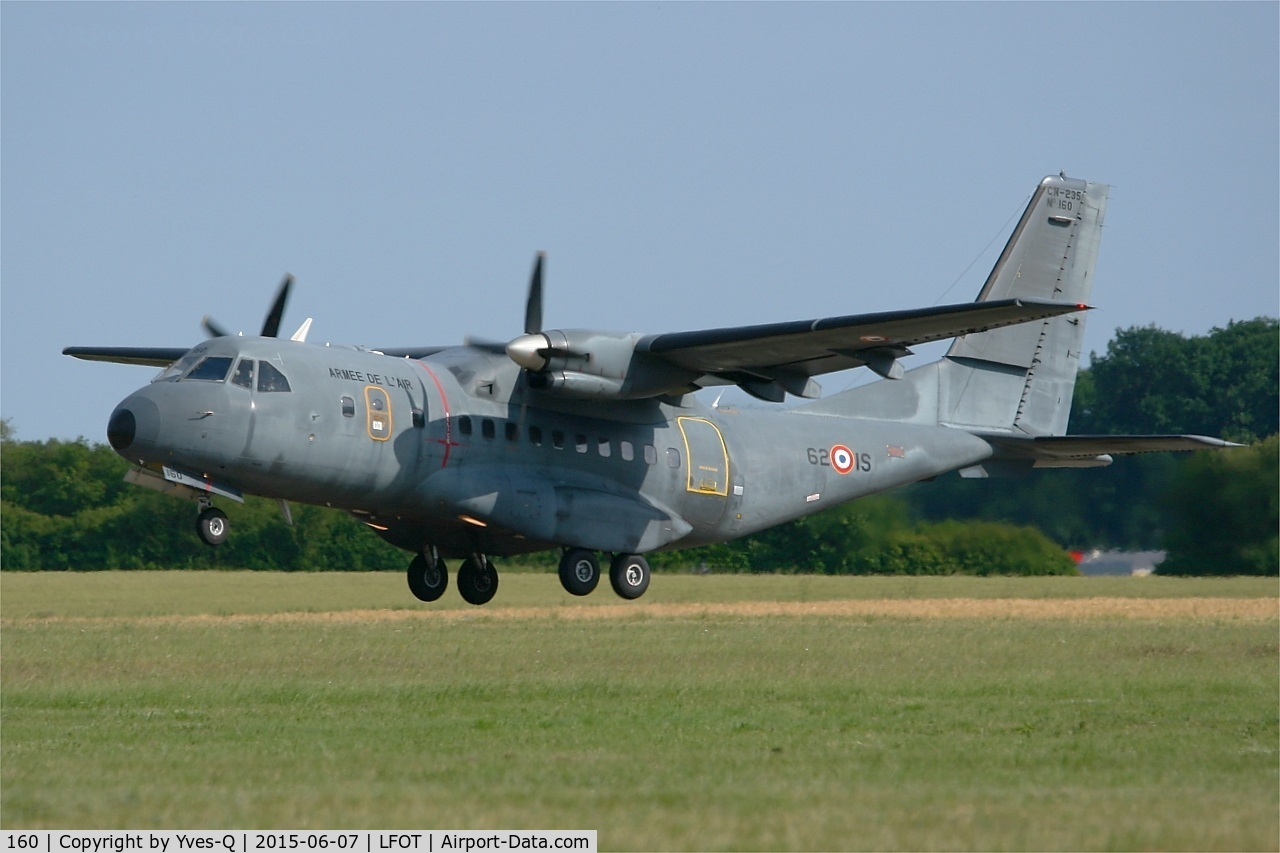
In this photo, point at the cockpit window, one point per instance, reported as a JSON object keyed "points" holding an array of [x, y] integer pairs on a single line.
{"points": [[244, 374], [271, 379], [179, 367], [212, 369]]}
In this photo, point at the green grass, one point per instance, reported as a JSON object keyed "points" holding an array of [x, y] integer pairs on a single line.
{"points": [[661, 731]]}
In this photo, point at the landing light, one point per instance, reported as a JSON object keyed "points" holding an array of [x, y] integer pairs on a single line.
{"points": [[469, 520]]}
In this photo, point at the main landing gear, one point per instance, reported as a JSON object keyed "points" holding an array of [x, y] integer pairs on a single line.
{"points": [[478, 579], [580, 573], [429, 577]]}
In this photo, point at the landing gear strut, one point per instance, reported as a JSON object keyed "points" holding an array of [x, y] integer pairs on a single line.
{"points": [[212, 525], [477, 579], [428, 577]]}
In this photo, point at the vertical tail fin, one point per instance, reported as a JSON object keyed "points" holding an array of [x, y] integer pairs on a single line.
{"points": [[1021, 379]]}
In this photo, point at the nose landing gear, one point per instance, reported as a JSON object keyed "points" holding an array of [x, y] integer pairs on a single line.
{"points": [[212, 525]]}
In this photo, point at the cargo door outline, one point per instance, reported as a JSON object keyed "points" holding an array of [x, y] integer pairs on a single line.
{"points": [[707, 472]]}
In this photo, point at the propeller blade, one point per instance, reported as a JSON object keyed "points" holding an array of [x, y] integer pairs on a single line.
{"points": [[533, 308], [213, 329], [271, 326], [485, 344]]}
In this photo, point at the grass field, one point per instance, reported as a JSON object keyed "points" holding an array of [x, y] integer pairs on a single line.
{"points": [[721, 712]]}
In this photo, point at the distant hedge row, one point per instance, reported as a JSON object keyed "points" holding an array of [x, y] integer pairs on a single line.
{"points": [[66, 506]]}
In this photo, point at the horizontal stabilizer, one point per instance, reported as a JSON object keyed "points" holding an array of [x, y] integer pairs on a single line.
{"points": [[1048, 448]]}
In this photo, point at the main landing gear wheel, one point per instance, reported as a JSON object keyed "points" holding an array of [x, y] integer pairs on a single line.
{"points": [[428, 577], [579, 571], [477, 579], [212, 525], [629, 574]]}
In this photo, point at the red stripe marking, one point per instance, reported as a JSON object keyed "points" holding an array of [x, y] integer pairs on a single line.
{"points": [[448, 441]]}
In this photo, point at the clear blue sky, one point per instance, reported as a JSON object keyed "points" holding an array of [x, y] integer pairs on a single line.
{"points": [[684, 165]]}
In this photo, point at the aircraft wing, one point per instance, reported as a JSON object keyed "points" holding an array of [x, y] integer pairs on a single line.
{"points": [[777, 352], [149, 356]]}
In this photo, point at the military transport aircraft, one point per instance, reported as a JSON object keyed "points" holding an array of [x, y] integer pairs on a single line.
{"points": [[593, 442]]}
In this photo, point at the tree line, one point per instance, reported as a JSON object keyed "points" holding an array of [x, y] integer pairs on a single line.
{"points": [[64, 504]]}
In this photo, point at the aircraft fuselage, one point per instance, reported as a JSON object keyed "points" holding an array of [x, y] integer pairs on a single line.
{"points": [[453, 451]]}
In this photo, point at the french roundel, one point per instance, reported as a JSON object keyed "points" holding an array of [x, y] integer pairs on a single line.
{"points": [[841, 459]]}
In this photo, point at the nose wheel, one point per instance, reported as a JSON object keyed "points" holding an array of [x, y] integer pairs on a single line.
{"points": [[212, 525]]}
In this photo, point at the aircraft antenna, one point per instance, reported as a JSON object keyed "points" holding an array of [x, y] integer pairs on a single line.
{"points": [[985, 248]]}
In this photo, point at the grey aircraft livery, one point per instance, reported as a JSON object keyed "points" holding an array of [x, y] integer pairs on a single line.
{"points": [[594, 442]]}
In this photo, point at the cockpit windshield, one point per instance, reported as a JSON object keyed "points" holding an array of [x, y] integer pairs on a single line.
{"points": [[201, 367], [212, 369], [179, 367]]}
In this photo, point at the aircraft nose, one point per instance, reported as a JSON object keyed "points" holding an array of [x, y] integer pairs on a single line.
{"points": [[122, 428], [134, 426]]}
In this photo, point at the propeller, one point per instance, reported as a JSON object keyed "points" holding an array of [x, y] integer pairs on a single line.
{"points": [[532, 318], [270, 326], [533, 306]]}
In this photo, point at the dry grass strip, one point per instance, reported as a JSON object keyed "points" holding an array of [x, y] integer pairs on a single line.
{"points": [[1247, 609]]}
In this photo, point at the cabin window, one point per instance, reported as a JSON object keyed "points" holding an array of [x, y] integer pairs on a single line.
{"points": [[673, 458], [270, 379], [557, 439], [212, 369], [486, 428], [535, 436], [419, 418], [606, 450], [244, 374], [627, 450], [512, 431], [580, 443], [650, 455], [348, 407], [464, 425]]}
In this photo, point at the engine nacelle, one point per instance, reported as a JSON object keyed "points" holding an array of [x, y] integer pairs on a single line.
{"points": [[589, 364]]}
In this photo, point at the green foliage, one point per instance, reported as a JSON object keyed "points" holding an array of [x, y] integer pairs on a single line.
{"points": [[875, 535], [1226, 514], [65, 505], [1149, 381], [1223, 384]]}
